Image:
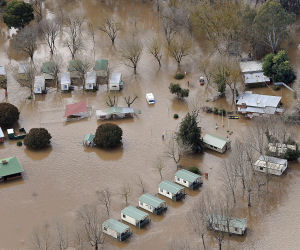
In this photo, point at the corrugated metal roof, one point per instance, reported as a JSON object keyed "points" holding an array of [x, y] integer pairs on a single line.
{"points": [[170, 187], [12, 166], [116, 225], [256, 100], [76, 108], [215, 140], [251, 66], [233, 222], [187, 175], [101, 65], [134, 213], [151, 200], [270, 162], [257, 77]]}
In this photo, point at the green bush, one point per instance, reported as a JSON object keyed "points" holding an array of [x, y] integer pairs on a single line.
{"points": [[19, 143], [276, 88], [9, 114], [175, 116], [176, 89], [216, 111], [179, 76], [195, 170], [37, 138], [108, 135]]}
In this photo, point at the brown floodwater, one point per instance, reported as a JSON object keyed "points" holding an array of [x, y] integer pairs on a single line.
{"points": [[59, 180]]}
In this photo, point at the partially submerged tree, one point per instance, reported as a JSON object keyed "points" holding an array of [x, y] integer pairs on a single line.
{"points": [[111, 28], [178, 91], [38, 8], [108, 136], [176, 149], [42, 238], [130, 100], [160, 167], [50, 31], [104, 196], [9, 114], [179, 48], [125, 192], [37, 138], [111, 102], [82, 67], [27, 81], [155, 49]]}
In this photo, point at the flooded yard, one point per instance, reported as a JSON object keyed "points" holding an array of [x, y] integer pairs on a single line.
{"points": [[59, 180]]}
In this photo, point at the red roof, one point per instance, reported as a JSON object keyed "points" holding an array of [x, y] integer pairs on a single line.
{"points": [[73, 109]]}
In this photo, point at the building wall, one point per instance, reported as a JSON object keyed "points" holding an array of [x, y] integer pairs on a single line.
{"points": [[129, 219], [270, 171], [165, 193], [146, 206], [220, 150], [232, 230], [110, 232], [182, 182]]}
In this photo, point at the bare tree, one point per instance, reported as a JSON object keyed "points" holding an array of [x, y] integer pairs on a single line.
{"points": [[104, 196], [125, 193], [169, 30], [92, 34], [141, 183], [205, 66], [111, 102], [229, 176], [131, 51], [38, 8], [111, 28], [82, 67], [155, 49], [179, 244], [50, 31], [130, 100], [42, 239], [62, 238], [179, 48], [27, 81], [159, 167], [90, 219]]}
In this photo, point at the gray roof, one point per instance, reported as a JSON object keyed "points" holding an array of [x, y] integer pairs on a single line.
{"points": [[116, 225], [170, 187], [272, 159], [2, 71], [256, 100], [256, 77], [134, 213], [187, 175], [233, 222], [151, 200], [215, 140], [251, 66], [65, 78]]}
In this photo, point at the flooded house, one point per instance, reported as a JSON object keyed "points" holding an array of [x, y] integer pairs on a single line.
{"points": [[10, 168], [252, 105], [188, 179], [253, 74], [152, 204], [65, 82], [88, 140], [48, 70], [171, 190], [3, 77], [115, 81], [227, 224], [102, 71], [13, 136], [2, 137], [76, 111], [39, 85], [115, 113], [75, 67], [91, 81], [216, 143], [270, 165], [281, 148], [116, 229], [135, 216]]}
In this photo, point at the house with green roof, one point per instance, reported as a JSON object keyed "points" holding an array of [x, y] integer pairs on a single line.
{"points": [[171, 190], [10, 168], [152, 204], [116, 229], [102, 71], [188, 179], [227, 224], [75, 68], [216, 143], [135, 216], [88, 140], [48, 70], [114, 113]]}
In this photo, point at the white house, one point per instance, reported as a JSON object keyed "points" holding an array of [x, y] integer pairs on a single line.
{"points": [[39, 85], [90, 80], [115, 113], [135, 216], [171, 190], [216, 143], [150, 98], [115, 81], [152, 204], [270, 165], [253, 73], [227, 224], [65, 81], [116, 229], [188, 179], [281, 148]]}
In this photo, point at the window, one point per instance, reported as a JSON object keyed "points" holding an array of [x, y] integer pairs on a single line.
{"points": [[124, 216], [105, 228], [184, 181], [261, 168], [236, 229], [141, 203], [168, 193], [178, 179]]}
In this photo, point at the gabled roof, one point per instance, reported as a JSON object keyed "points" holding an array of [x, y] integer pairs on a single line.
{"points": [[74, 65], [9, 166], [223, 220], [187, 175], [116, 225], [256, 100], [151, 200], [73, 109], [270, 162], [215, 140], [101, 65], [170, 187], [48, 67], [134, 213]]}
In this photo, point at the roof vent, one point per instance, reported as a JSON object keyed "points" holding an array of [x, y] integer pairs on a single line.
{"points": [[4, 162]]}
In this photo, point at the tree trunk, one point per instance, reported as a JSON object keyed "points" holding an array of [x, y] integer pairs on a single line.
{"points": [[203, 242], [134, 69], [96, 246], [249, 199], [220, 245]]}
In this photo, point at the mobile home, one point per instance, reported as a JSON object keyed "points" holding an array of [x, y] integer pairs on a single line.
{"points": [[152, 204], [115, 81], [65, 81], [135, 216], [48, 70], [116, 229], [227, 224], [253, 74], [115, 113], [188, 179], [90, 80], [39, 85], [216, 143], [101, 68], [10, 168], [74, 68], [171, 190], [2, 137], [270, 165]]}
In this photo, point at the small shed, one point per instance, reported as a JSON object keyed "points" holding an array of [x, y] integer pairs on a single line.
{"points": [[39, 85], [171, 190], [227, 224], [115, 81], [150, 98], [2, 137], [3, 77], [88, 140], [101, 68], [216, 143], [152, 204], [10, 168], [270, 165], [48, 70], [90, 80], [74, 68], [115, 113], [65, 81], [116, 229], [76, 111], [135, 216], [188, 179]]}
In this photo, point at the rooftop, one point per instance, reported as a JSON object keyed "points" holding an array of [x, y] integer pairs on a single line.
{"points": [[9, 166], [116, 225], [251, 66], [187, 175], [170, 187], [39, 82], [76, 108], [256, 100], [101, 65], [1, 133], [134, 213], [215, 140], [256, 77], [65, 78], [74, 65], [233, 222], [151, 200], [48, 67], [115, 78], [89, 137]]}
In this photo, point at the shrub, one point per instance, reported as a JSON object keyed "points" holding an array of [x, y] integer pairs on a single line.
{"points": [[216, 111], [276, 88], [108, 135], [195, 170], [37, 138], [179, 76], [222, 112], [19, 143], [176, 89], [175, 116], [9, 114]]}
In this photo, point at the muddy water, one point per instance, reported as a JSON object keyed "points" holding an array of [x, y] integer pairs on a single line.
{"points": [[61, 179]]}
